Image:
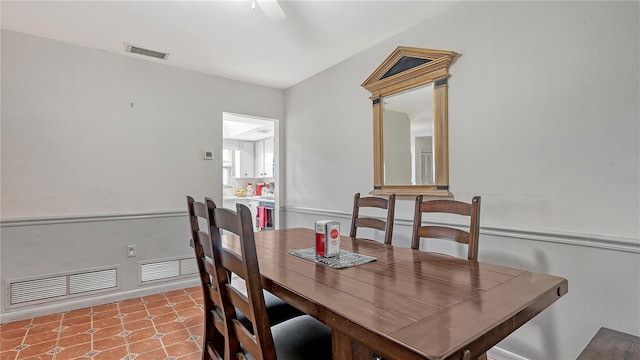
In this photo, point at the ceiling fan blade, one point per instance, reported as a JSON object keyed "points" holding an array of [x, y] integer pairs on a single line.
{"points": [[272, 10]]}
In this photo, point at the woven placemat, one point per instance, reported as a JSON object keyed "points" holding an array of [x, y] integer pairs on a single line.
{"points": [[344, 260]]}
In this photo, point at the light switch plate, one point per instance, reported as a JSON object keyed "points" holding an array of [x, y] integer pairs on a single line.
{"points": [[131, 251]]}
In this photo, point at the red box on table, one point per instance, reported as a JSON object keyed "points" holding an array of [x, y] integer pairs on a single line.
{"points": [[327, 238]]}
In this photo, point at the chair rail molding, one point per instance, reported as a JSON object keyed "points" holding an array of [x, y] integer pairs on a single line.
{"points": [[589, 240], [69, 219]]}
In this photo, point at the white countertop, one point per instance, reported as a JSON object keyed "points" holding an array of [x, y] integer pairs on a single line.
{"points": [[255, 198]]}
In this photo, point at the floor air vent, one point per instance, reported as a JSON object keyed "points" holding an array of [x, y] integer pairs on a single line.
{"points": [[25, 292], [167, 269]]}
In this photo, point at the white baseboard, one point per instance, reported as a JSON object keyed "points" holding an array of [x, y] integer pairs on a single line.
{"points": [[75, 304]]}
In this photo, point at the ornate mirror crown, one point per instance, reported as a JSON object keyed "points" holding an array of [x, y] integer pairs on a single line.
{"points": [[410, 136]]}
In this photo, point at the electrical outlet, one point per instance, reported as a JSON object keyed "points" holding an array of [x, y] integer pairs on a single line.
{"points": [[131, 251]]}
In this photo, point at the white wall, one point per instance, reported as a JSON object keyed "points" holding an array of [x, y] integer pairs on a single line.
{"points": [[543, 124], [84, 173], [72, 140], [537, 85], [543, 116]]}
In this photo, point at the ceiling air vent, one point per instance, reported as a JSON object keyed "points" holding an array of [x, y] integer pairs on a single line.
{"points": [[146, 52]]}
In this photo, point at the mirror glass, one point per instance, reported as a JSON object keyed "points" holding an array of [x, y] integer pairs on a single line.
{"points": [[407, 137]]}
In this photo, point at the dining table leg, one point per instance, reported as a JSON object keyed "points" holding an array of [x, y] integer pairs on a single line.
{"points": [[346, 348]]}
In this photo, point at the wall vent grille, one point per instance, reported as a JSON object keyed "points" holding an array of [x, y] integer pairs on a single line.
{"points": [[37, 290], [40, 289], [167, 269], [147, 52], [188, 266], [159, 270], [92, 281]]}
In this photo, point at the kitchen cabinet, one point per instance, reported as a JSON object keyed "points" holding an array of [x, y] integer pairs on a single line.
{"points": [[268, 157], [246, 159], [243, 157], [259, 158], [263, 160]]}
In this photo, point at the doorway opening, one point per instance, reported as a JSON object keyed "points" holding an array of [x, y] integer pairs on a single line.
{"points": [[250, 167]]}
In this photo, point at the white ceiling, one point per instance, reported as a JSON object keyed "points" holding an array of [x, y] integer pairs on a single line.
{"points": [[225, 38], [242, 127]]}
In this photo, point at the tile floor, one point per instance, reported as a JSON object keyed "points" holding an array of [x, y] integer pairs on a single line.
{"points": [[165, 326]]}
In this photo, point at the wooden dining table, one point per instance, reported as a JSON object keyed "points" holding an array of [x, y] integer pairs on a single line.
{"points": [[408, 304]]}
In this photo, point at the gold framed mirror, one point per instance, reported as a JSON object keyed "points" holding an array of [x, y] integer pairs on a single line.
{"points": [[410, 122]]}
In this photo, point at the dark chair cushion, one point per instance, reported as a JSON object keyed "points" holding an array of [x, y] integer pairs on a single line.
{"points": [[301, 338], [277, 311]]}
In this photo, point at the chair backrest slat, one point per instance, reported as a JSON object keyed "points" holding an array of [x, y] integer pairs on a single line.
{"points": [[441, 232], [446, 206], [470, 237], [246, 338], [233, 263], [205, 242], [200, 210], [239, 300], [372, 201], [210, 269], [218, 321], [227, 220], [373, 223]]}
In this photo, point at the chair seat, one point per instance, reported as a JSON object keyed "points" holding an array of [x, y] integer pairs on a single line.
{"points": [[301, 338], [277, 311]]}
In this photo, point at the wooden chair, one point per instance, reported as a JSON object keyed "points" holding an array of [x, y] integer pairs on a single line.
{"points": [[228, 338], [369, 222], [442, 232], [277, 309]]}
